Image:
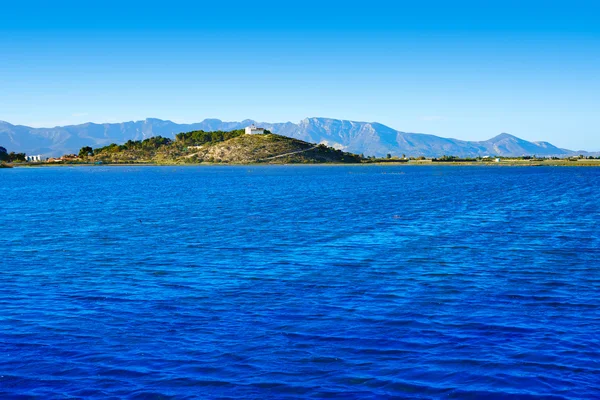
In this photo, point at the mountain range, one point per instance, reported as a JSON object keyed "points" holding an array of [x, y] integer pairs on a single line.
{"points": [[368, 138]]}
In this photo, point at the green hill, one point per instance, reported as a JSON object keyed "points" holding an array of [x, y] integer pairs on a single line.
{"points": [[232, 147]]}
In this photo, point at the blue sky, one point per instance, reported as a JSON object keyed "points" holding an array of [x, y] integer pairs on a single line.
{"points": [[464, 69]]}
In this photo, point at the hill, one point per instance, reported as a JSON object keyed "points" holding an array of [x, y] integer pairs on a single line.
{"points": [[369, 138], [233, 147]]}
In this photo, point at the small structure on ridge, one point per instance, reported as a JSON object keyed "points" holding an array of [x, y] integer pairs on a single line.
{"points": [[253, 130]]}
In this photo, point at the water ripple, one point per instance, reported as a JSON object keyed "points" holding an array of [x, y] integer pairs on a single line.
{"points": [[300, 282]]}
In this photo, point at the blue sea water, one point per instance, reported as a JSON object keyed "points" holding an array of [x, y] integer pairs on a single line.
{"points": [[299, 282]]}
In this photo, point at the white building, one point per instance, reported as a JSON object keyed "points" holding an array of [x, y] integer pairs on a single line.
{"points": [[33, 158], [253, 130]]}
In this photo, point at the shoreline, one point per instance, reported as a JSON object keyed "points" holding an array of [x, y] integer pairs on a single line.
{"points": [[553, 163]]}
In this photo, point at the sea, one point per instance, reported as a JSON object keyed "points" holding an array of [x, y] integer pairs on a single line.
{"points": [[296, 282]]}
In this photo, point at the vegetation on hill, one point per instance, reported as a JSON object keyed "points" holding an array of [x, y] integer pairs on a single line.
{"points": [[197, 138], [233, 147]]}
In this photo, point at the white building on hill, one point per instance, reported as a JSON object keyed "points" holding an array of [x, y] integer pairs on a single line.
{"points": [[253, 130]]}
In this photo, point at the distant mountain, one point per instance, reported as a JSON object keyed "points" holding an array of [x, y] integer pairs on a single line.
{"points": [[369, 138]]}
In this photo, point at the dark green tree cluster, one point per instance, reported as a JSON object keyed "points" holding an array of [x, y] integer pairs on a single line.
{"points": [[86, 151], [197, 138], [111, 148], [12, 157], [152, 143]]}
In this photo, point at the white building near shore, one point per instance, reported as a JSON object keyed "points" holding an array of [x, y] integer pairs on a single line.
{"points": [[33, 158], [253, 130]]}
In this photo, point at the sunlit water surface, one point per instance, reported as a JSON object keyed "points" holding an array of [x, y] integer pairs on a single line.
{"points": [[300, 282]]}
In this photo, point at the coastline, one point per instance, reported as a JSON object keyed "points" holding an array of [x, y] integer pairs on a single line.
{"points": [[512, 163]]}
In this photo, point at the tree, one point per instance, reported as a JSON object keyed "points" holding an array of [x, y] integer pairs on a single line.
{"points": [[86, 151], [12, 157], [389, 156]]}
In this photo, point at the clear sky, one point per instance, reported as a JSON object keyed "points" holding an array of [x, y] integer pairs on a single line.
{"points": [[464, 69]]}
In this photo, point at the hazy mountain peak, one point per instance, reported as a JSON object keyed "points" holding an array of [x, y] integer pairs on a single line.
{"points": [[504, 135], [157, 121], [212, 120]]}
